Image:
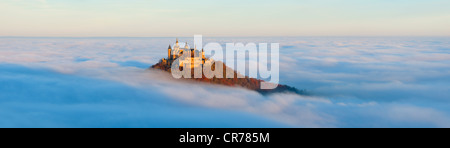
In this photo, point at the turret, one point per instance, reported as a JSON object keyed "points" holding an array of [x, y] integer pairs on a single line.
{"points": [[203, 54], [169, 54], [186, 46]]}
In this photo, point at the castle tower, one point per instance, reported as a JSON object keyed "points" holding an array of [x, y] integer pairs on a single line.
{"points": [[203, 56], [169, 54], [186, 46], [177, 42]]}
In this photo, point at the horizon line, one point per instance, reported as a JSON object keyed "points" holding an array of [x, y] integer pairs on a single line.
{"points": [[219, 36]]}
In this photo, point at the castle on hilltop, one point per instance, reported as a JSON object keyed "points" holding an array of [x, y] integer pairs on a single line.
{"points": [[185, 56]]}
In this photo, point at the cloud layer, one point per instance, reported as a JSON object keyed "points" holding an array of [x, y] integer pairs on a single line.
{"points": [[103, 82]]}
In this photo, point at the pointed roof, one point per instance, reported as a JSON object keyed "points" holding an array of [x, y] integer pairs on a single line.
{"points": [[170, 47], [177, 40]]}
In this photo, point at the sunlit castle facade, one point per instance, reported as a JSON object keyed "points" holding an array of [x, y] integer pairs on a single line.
{"points": [[191, 55]]}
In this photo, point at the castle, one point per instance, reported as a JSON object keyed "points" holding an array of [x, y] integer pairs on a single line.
{"points": [[182, 58], [185, 56]]}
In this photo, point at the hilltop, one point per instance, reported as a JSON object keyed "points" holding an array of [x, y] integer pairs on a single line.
{"points": [[248, 83], [184, 55]]}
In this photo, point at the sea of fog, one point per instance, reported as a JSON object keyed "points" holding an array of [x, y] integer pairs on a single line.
{"points": [[104, 82]]}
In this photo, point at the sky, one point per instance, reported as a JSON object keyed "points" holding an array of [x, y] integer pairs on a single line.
{"points": [[178, 18]]}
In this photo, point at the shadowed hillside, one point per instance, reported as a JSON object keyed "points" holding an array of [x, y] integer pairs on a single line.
{"points": [[248, 83]]}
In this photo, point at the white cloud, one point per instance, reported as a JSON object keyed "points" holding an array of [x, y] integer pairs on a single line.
{"points": [[356, 82]]}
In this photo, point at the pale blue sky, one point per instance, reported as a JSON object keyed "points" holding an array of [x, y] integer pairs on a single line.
{"points": [[148, 18]]}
